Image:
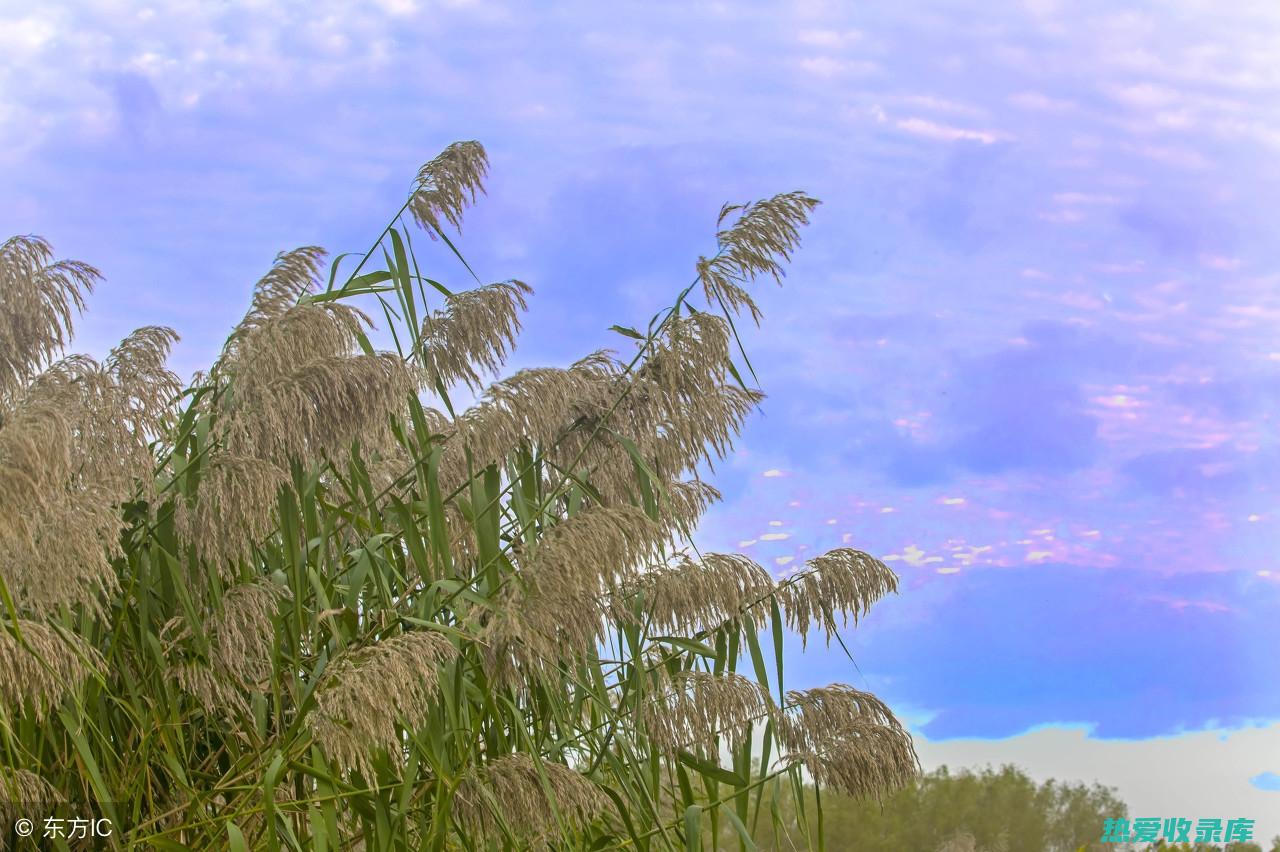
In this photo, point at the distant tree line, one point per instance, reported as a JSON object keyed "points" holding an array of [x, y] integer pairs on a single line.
{"points": [[988, 810]]}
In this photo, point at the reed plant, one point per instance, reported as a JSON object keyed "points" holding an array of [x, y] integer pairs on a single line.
{"points": [[305, 602]]}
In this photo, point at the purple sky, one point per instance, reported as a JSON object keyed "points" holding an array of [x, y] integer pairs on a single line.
{"points": [[1028, 352]]}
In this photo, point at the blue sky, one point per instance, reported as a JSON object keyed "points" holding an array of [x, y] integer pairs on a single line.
{"points": [[1028, 352]]}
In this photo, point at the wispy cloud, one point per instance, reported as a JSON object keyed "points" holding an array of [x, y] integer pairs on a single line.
{"points": [[945, 132]]}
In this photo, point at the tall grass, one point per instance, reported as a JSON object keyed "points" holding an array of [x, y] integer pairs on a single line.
{"points": [[305, 603]]}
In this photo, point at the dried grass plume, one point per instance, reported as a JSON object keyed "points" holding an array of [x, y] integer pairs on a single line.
{"points": [[45, 668], [447, 184], [843, 582], [526, 797], [366, 692]]}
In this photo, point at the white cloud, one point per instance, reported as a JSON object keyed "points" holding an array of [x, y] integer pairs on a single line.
{"points": [[829, 38], [1040, 102], [829, 66], [937, 104], [58, 61], [1084, 198], [1145, 95], [1061, 217], [948, 133], [1175, 155]]}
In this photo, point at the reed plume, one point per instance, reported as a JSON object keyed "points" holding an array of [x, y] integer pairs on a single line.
{"points": [[594, 548], [695, 709], [474, 332], [237, 495], [46, 667], [243, 633], [577, 560], [214, 693], [65, 559], [37, 302], [530, 408], [35, 457], [74, 436], [678, 410], [684, 408], [447, 184], [764, 235], [365, 692], [684, 597], [23, 792], [849, 740], [526, 796], [289, 385], [844, 581]]}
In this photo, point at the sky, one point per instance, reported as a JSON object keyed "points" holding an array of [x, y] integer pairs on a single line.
{"points": [[1027, 353]]}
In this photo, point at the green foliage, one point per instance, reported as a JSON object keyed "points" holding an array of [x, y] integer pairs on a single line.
{"points": [[985, 810]]}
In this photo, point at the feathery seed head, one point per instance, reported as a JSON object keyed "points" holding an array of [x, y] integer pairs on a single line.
{"points": [[37, 301], [696, 708], [35, 458], [138, 367], [476, 330], [64, 560], [574, 565], [24, 792], [685, 597], [74, 446], [684, 502], [447, 184], [278, 344], [319, 407], [365, 692], [532, 407], [690, 356], [595, 547], [526, 797], [677, 410], [682, 409], [243, 633], [50, 667], [703, 431], [870, 763], [848, 739], [289, 386], [827, 712], [290, 383], [764, 235], [844, 581], [215, 693], [292, 276], [233, 508]]}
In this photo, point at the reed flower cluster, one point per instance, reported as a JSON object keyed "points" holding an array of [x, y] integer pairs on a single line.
{"points": [[530, 799], [308, 600], [367, 692]]}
